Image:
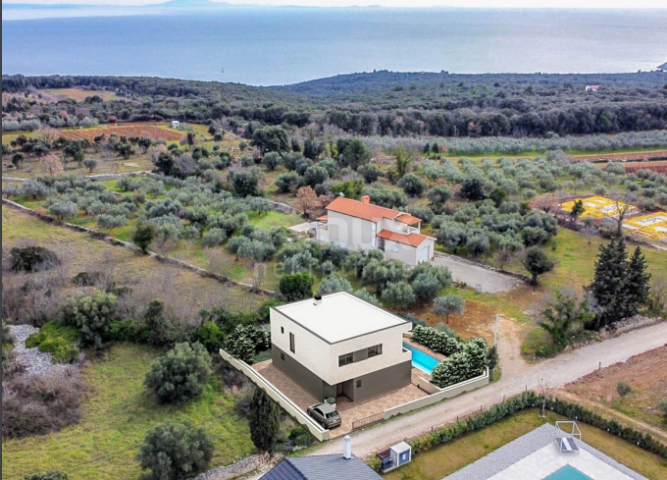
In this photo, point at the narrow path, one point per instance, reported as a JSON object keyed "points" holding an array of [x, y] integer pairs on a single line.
{"points": [[553, 373], [512, 363], [477, 277]]}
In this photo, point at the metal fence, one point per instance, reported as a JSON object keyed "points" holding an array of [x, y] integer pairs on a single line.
{"points": [[364, 422]]}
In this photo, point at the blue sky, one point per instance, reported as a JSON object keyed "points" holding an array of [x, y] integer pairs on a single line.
{"points": [[401, 3]]}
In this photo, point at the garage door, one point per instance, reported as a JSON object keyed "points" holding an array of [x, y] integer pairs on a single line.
{"points": [[425, 254]]}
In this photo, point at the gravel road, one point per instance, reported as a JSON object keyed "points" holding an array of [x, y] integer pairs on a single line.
{"points": [[34, 361], [479, 278]]}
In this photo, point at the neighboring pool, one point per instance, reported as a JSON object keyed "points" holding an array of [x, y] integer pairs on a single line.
{"points": [[568, 473], [422, 361]]}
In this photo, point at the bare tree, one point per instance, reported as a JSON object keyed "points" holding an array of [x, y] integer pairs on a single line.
{"points": [[51, 165], [259, 273], [307, 200], [623, 204]]}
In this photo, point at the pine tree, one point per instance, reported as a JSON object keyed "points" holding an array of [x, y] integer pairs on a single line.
{"points": [[264, 421], [612, 286], [638, 279]]}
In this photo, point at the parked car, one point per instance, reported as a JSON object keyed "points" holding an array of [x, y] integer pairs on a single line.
{"points": [[325, 415]]}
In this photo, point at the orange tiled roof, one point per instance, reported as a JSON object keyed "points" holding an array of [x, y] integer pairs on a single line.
{"points": [[414, 239], [323, 218], [367, 211]]}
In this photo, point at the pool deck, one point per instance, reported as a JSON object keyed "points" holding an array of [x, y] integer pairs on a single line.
{"points": [[535, 456]]}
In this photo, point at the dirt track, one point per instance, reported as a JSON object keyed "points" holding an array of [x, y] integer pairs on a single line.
{"points": [[553, 373]]}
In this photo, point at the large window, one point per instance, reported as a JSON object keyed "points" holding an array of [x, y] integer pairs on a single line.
{"points": [[292, 343], [345, 359], [375, 351]]}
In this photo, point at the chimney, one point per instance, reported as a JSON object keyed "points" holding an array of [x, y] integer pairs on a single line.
{"points": [[347, 448], [317, 300], [366, 199]]}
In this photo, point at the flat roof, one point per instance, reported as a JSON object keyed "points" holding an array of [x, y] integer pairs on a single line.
{"points": [[340, 316]]}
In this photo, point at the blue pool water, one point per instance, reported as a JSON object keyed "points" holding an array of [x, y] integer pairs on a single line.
{"points": [[568, 473], [421, 360]]}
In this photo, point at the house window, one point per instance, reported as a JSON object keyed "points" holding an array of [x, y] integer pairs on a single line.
{"points": [[358, 383], [292, 343], [282, 329], [282, 357], [375, 351], [345, 359]]}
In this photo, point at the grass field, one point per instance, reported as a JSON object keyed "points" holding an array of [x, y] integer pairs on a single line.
{"points": [[447, 459], [647, 376], [78, 94], [117, 413], [81, 252]]}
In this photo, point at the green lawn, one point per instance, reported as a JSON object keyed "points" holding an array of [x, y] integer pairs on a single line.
{"points": [[117, 413], [275, 219], [448, 458]]}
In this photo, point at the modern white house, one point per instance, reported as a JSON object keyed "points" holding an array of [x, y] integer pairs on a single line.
{"points": [[175, 124], [340, 345], [360, 225]]}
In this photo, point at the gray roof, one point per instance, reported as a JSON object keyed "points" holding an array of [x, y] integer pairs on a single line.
{"points": [[663, 66], [520, 448], [324, 467]]}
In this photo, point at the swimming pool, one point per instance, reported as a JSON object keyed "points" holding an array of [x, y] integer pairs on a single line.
{"points": [[568, 473], [422, 361]]}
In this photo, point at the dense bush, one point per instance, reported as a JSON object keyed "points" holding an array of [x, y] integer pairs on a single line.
{"points": [[264, 421], [181, 375], [91, 315], [32, 259], [246, 341], [297, 286], [175, 451], [210, 336]]}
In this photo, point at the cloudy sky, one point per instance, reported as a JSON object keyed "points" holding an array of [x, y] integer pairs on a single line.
{"points": [[401, 3]]}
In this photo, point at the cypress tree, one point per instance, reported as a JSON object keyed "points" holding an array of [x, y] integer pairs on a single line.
{"points": [[264, 421], [638, 279]]}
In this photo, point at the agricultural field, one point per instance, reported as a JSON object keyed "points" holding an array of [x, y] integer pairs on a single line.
{"points": [[658, 167], [77, 94], [622, 157], [647, 377], [116, 414], [184, 292], [447, 459], [137, 130]]}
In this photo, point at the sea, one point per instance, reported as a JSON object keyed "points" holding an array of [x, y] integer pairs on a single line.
{"points": [[278, 46]]}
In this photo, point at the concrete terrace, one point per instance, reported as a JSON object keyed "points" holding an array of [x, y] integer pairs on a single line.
{"points": [[349, 411]]}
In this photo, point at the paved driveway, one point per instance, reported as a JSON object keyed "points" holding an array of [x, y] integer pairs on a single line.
{"points": [[479, 278]]}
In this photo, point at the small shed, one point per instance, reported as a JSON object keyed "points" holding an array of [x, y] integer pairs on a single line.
{"points": [[396, 456], [175, 124], [592, 88]]}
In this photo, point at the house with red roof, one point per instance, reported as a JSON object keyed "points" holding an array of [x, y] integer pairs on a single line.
{"points": [[360, 225]]}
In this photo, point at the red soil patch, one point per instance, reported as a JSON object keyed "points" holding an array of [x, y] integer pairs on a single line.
{"points": [[152, 131], [622, 157]]}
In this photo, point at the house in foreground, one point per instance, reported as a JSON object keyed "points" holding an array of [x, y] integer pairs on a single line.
{"points": [[360, 225], [323, 467], [340, 345]]}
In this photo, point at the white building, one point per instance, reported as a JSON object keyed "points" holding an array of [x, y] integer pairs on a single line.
{"points": [[340, 345], [359, 225], [175, 124]]}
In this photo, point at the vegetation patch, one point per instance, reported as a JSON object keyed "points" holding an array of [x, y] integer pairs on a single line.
{"points": [[58, 340]]}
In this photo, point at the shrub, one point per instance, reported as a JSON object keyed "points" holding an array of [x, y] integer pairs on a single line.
{"points": [[175, 451], [110, 222], [143, 236], [662, 406], [289, 182], [537, 262], [412, 185], [246, 341], [441, 341], [127, 331], [91, 315], [57, 340], [623, 389], [158, 330], [423, 212], [315, 175], [32, 259], [297, 286], [63, 210], [370, 173], [426, 287], [182, 374], [334, 284], [42, 404], [210, 336], [271, 161]]}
